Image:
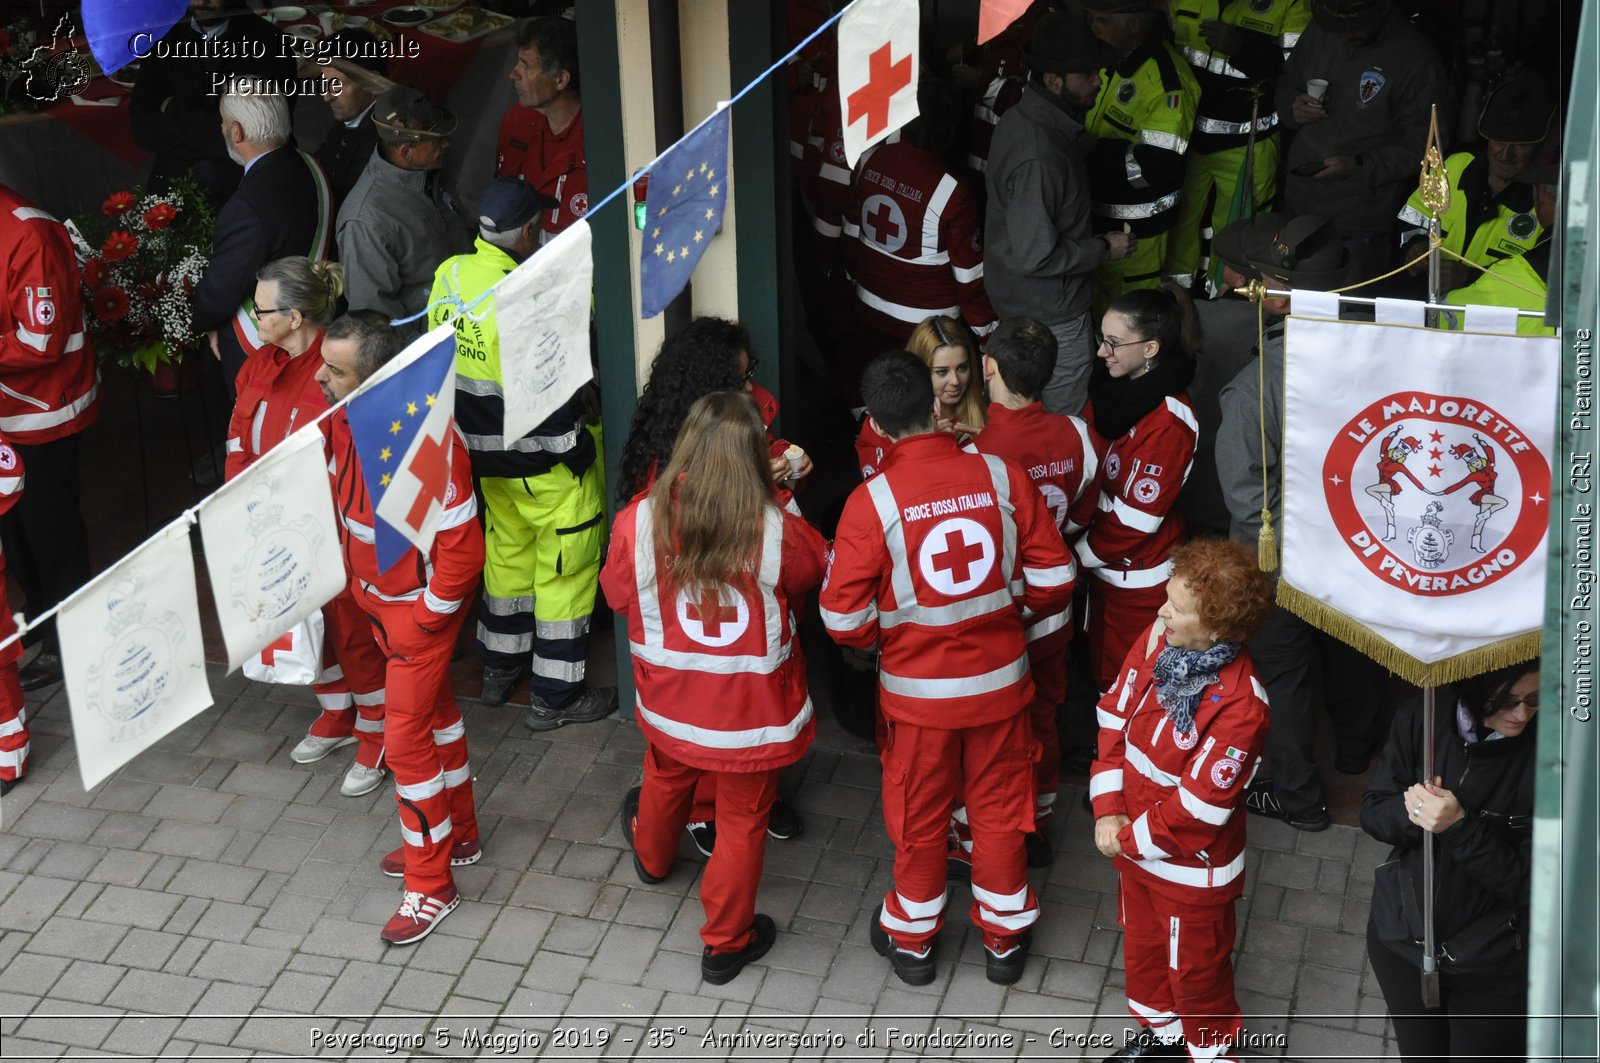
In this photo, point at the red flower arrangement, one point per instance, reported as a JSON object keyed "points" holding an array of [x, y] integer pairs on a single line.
{"points": [[117, 203], [119, 245], [109, 304], [95, 273], [159, 216]]}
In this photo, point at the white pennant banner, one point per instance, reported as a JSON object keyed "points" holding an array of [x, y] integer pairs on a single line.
{"points": [[1416, 489], [130, 647], [272, 546], [542, 310], [877, 71]]}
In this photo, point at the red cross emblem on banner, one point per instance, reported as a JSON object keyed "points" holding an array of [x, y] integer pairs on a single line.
{"points": [[884, 79], [285, 643]]}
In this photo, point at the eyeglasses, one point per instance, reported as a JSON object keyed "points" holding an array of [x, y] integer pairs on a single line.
{"points": [[277, 310], [750, 374], [1507, 702], [1101, 341]]}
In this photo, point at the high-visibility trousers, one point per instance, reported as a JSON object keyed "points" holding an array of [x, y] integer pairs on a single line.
{"points": [[1209, 185], [1142, 269], [733, 873], [1178, 961], [425, 740], [924, 769], [351, 691], [543, 537]]}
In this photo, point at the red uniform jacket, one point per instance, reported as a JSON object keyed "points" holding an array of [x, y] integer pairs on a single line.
{"points": [[825, 173], [277, 392], [935, 559], [872, 449], [49, 385], [720, 680], [11, 480], [914, 242], [553, 163], [438, 584], [1137, 524], [1182, 790], [1057, 454]]}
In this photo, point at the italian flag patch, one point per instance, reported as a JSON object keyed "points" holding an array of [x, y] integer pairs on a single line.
{"points": [[1236, 754], [1173, 100]]}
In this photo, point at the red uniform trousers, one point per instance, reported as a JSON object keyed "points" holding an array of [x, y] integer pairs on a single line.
{"points": [[1179, 964], [425, 740], [924, 769], [13, 722], [743, 799], [1118, 616], [352, 694]]}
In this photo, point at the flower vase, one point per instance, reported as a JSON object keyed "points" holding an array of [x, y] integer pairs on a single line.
{"points": [[166, 375]]}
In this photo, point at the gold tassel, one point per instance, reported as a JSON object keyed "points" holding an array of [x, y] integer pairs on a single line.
{"points": [[1267, 544], [1319, 614]]}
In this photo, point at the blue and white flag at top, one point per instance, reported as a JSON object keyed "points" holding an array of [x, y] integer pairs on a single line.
{"points": [[120, 31], [688, 193], [401, 427]]}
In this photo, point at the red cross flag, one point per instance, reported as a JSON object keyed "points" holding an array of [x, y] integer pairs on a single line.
{"points": [[995, 15], [877, 71]]}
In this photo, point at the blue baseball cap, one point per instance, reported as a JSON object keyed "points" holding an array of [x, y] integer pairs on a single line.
{"points": [[509, 203]]}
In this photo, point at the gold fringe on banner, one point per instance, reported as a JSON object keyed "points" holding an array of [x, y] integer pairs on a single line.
{"points": [[1320, 614]]}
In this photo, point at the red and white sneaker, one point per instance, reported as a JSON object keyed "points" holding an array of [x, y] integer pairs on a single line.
{"points": [[418, 915], [461, 854]]}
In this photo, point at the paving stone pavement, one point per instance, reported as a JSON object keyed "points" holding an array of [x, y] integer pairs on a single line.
{"points": [[214, 899]]}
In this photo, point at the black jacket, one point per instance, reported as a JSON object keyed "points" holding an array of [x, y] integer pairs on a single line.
{"points": [[187, 134], [1483, 862], [275, 212], [344, 154]]}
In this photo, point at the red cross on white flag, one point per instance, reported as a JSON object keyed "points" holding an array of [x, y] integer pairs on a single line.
{"points": [[877, 71]]}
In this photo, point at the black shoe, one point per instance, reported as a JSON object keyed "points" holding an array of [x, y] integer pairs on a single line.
{"points": [[912, 969], [498, 683], [783, 822], [6, 785], [1147, 1046], [630, 817], [720, 968], [594, 703], [44, 669], [704, 835], [1262, 800], [1040, 852], [1004, 957]]}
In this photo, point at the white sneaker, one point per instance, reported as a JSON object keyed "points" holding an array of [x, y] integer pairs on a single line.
{"points": [[361, 779], [312, 749]]}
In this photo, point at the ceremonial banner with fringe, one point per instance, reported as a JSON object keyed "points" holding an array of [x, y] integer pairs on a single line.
{"points": [[1416, 492]]}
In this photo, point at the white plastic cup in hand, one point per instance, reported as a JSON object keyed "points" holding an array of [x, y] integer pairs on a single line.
{"points": [[795, 456], [1316, 87], [326, 20]]}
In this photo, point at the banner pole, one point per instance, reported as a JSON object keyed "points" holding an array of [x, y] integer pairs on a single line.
{"points": [[1430, 959]]}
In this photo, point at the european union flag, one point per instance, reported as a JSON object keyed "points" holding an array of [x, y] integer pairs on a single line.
{"points": [[120, 29], [688, 192], [401, 428]]}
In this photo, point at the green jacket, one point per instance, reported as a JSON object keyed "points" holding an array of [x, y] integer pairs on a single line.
{"points": [[480, 401], [1502, 285], [1482, 227]]}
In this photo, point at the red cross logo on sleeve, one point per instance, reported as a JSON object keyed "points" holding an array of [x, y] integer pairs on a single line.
{"points": [[431, 467], [884, 79]]}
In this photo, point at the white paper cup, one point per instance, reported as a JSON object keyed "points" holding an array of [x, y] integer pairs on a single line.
{"points": [[1316, 87], [794, 464], [326, 20]]}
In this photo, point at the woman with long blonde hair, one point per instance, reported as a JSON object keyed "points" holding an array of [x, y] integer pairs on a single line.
{"points": [[704, 566], [950, 351]]}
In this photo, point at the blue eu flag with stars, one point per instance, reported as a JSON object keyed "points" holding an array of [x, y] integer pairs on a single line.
{"points": [[401, 428], [688, 191]]}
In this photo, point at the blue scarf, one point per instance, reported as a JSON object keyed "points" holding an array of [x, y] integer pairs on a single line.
{"points": [[1182, 675]]}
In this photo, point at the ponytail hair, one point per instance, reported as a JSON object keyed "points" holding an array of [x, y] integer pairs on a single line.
{"points": [[1166, 315], [311, 287]]}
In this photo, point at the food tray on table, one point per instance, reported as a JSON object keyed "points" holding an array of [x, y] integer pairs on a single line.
{"points": [[467, 25]]}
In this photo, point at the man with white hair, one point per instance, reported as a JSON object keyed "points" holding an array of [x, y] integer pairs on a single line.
{"points": [[281, 207], [544, 493]]}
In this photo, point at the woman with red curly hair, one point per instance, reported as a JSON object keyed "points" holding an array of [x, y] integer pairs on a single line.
{"points": [[1181, 732]]}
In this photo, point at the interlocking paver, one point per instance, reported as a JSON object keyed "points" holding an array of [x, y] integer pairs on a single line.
{"points": [[223, 882], [148, 949], [133, 907], [162, 994], [226, 962], [32, 902], [76, 938]]}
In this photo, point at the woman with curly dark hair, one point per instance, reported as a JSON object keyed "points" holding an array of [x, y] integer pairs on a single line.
{"points": [[708, 354], [1181, 732]]}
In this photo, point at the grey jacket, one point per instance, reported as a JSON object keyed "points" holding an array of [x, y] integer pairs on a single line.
{"points": [[1239, 454], [391, 239], [1401, 76], [1039, 253]]}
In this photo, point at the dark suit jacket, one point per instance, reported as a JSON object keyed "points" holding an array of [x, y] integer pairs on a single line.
{"points": [[187, 135], [344, 153], [275, 212]]}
